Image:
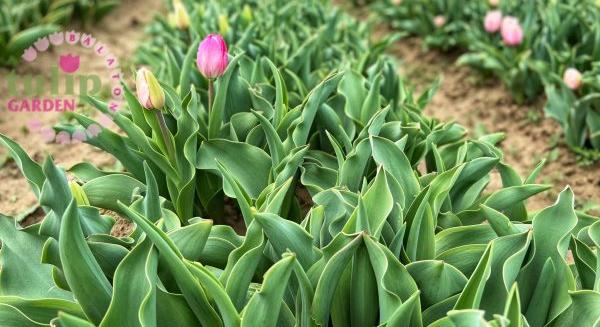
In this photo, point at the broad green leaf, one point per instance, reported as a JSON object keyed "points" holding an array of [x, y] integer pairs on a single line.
{"points": [[134, 296], [284, 234], [264, 306], [34, 311], [314, 100], [248, 165], [23, 273], [85, 277], [29, 168], [470, 297], [436, 280], [104, 192], [551, 228], [329, 278], [187, 282]]}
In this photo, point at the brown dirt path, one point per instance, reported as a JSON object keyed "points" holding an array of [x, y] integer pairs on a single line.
{"points": [[485, 106], [121, 30]]}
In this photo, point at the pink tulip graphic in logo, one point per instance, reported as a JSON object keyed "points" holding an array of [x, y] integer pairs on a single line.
{"points": [[63, 138], [30, 54], [94, 130], [78, 136], [34, 125], [57, 38], [69, 63], [42, 44], [72, 37], [48, 134]]}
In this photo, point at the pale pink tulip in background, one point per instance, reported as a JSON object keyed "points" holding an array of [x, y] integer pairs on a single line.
{"points": [[572, 78], [493, 21], [439, 21], [511, 31]]}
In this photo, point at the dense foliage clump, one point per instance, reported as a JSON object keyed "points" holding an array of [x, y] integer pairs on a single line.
{"points": [[355, 208], [533, 47]]}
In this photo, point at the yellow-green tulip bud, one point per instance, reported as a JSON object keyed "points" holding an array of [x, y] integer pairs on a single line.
{"points": [[223, 24], [247, 13], [200, 10], [79, 194], [182, 20]]}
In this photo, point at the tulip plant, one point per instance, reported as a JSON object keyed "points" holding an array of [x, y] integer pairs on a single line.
{"points": [[22, 22], [324, 38], [532, 46], [357, 210], [441, 23]]}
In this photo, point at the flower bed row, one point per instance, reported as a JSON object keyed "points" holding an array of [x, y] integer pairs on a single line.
{"points": [[357, 210], [533, 47]]}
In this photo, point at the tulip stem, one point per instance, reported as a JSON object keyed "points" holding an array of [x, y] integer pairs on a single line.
{"points": [[164, 130], [211, 93]]}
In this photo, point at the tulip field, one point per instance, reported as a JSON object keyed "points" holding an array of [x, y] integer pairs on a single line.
{"points": [[299, 163]]}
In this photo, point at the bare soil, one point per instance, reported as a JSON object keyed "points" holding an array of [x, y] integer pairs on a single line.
{"points": [[483, 105]]}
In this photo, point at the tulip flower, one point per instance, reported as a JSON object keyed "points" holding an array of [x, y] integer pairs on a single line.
{"points": [[151, 95], [181, 17], [494, 3], [572, 78], [223, 24], [511, 31], [212, 56], [439, 21], [247, 13], [212, 61], [492, 21], [149, 92]]}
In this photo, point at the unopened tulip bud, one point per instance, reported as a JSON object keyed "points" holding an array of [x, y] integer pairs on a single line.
{"points": [[494, 3], [493, 21], [200, 10], [212, 56], [182, 20], [149, 92], [511, 31], [439, 21], [572, 78], [247, 13], [172, 20], [79, 194], [223, 24]]}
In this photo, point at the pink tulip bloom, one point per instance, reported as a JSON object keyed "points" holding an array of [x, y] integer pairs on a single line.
{"points": [[212, 56], [69, 63], [439, 21], [511, 30], [492, 21], [572, 78]]}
